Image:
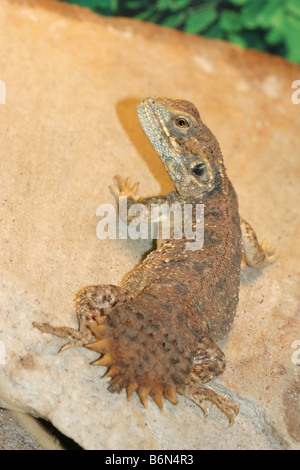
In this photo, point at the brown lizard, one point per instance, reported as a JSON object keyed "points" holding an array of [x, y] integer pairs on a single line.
{"points": [[157, 333]]}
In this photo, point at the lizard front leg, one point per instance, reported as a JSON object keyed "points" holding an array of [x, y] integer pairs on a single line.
{"points": [[140, 277], [256, 254], [209, 362], [90, 303], [123, 188]]}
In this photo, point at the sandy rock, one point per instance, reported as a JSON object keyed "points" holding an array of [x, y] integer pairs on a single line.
{"points": [[69, 125], [13, 436]]}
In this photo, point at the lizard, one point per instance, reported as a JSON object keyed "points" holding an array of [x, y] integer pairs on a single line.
{"points": [[157, 333]]}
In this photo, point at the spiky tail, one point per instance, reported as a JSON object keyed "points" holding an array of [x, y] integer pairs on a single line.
{"points": [[140, 352]]}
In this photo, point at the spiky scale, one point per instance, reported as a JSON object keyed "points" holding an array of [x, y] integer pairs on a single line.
{"points": [[106, 360], [100, 330], [143, 392], [170, 393], [101, 346], [111, 372], [130, 389], [156, 396]]}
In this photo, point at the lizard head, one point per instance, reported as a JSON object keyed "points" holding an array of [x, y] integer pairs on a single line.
{"points": [[187, 148]]}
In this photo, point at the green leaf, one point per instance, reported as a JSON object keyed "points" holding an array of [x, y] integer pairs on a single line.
{"points": [[293, 6], [178, 4], [214, 32], [250, 13], [133, 4], [171, 5], [155, 17], [274, 37], [107, 4], [144, 15], [254, 40], [239, 2], [237, 39], [271, 15], [175, 20], [292, 36], [230, 21], [163, 4], [200, 18]]}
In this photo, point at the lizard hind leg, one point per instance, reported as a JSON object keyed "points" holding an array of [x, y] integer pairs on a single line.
{"points": [[256, 254], [89, 303], [209, 362]]}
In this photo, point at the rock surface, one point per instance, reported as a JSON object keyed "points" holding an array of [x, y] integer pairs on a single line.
{"points": [[69, 123], [13, 436]]}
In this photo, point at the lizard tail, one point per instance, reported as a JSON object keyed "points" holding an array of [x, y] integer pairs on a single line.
{"points": [[135, 362]]}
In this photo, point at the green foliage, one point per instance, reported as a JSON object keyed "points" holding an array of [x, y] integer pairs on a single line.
{"points": [[270, 25], [201, 18]]}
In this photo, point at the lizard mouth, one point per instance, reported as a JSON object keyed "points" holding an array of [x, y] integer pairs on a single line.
{"points": [[153, 118], [149, 121]]}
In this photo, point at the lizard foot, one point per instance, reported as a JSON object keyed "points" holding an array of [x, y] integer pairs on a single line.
{"points": [[78, 338], [123, 188], [264, 255], [256, 255], [198, 395], [269, 252]]}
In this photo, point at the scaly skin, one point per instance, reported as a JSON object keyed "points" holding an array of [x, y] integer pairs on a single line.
{"points": [[157, 333]]}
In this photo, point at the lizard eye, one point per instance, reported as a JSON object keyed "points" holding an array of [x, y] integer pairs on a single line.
{"points": [[199, 169], [181, 122]]}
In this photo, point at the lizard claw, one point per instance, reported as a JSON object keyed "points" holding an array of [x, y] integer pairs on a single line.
{"points": [[204, 408], [198, 395]]}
